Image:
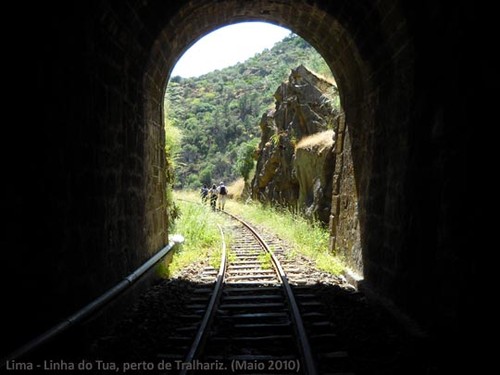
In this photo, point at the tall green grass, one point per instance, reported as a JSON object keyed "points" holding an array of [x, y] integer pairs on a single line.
{"points": [[306, 237], [173, 139], [198, 225]]}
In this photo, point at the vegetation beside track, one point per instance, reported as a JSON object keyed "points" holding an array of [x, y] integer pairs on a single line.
{"points": [[306, 238]]}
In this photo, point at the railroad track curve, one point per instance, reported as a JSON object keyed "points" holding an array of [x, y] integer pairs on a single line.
{"points": [[250, 321]]}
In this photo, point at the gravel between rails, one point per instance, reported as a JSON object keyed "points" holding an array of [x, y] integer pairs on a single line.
{"points": [[376, 342]]}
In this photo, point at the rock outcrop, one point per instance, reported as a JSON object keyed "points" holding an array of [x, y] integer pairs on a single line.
{"points": [[295, 157], [314, 163]]}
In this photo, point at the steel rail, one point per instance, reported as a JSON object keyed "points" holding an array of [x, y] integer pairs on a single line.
{"points": [[92, 307], [304, 346], [201, 334]]}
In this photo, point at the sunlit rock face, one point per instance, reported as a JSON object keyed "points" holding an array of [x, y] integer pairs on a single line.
{"points": [[314, 163], [295, 160]]}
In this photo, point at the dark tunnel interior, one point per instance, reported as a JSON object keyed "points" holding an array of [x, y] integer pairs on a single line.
{"points": [[84, 193]]}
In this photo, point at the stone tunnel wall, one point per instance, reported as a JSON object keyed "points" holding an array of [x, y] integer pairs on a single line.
{"points": [[87, 208], [345, 231], [87, 87]]}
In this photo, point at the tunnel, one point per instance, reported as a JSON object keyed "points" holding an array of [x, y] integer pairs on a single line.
{"points": [[85, 185]]}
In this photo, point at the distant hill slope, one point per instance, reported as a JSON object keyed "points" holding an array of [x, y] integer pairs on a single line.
{"points": [[219, 112]]}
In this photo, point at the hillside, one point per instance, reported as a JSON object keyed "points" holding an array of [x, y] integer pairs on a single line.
{"points": [[218, 114]]}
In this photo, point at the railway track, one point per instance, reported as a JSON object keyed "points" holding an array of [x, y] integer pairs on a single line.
{"points": [[246, 318]]}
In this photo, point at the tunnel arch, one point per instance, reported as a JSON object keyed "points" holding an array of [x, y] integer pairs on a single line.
{"points": [[94, 193], [358, 43]]}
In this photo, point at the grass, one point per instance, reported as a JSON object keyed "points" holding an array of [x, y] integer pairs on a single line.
{"points": [[309, 239], [265, 261], [235, 189], [198, 225], [216, 253], [319, 140]]}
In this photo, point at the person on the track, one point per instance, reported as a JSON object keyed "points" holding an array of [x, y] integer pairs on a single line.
{"points": [[204, 194], [222, 190], [212, 193]]}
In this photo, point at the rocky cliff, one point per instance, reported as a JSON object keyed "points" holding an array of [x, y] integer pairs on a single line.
{"points": [[314, 163], [304, 160], [295, 159]]}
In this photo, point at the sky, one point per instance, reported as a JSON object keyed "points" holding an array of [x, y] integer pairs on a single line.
{"points": [[227, 46]]}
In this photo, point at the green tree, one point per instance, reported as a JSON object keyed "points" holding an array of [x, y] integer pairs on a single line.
{"points": [[193, 182], [206, 175], [245, 160]]}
